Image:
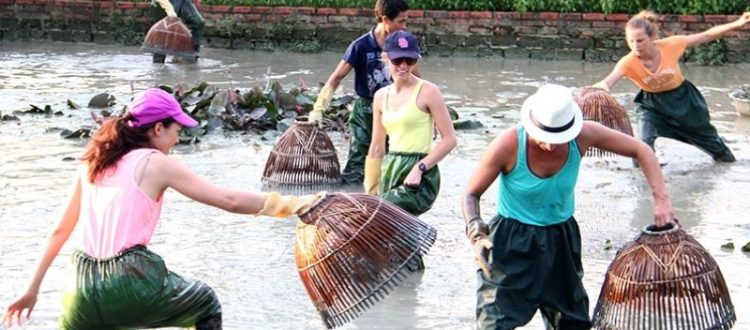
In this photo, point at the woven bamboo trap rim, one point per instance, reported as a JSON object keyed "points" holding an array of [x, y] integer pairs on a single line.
{"points": [[664, 279], [353, 249], [169, 36], [598, 105], [303, 156]]}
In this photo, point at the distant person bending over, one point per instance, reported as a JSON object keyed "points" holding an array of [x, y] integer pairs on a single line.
{"points": [[530, 254], [187, 11], [363, 55], [670, 106], [117, 198]]}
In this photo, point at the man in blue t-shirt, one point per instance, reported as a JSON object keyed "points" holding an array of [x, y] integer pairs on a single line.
{"points": [[363, 55]]}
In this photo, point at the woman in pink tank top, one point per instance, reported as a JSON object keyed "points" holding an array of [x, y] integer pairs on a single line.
{"points": [[117, 201]]}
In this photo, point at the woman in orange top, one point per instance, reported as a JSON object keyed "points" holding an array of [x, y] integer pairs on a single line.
{"points": [[670, 105]]}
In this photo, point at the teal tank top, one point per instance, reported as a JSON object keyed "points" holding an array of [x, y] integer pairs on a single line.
{"points": [[539, 201]]}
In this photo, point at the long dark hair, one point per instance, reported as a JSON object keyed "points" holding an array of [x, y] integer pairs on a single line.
{"points": [[113, 140]]}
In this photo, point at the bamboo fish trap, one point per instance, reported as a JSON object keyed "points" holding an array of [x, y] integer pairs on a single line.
{"points": [[303, 157], [664, 279], [353, 249], [169, 36], [597, 105]]}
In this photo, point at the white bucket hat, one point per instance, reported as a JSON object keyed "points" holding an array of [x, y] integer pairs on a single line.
{"points": [[551, 115]]}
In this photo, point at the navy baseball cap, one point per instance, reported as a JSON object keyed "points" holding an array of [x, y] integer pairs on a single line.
{"points": [[401, 44]]}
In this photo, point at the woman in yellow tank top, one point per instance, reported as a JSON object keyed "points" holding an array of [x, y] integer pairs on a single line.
{"points": [[670, 106], [407, 112]]}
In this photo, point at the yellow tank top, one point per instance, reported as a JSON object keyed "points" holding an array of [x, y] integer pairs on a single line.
{"points": [[668, 75], [409, 129]]}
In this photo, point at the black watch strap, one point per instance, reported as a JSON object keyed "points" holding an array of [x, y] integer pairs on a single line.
{"points": [[422, 167]]}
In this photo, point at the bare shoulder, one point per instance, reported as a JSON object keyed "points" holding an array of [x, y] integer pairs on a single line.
{"points": [[160, 164], [505, 143], [429, 87], [430, 97], [379, 93]]}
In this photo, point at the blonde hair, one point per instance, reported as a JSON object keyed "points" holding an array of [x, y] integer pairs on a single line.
{"points": [[645, 20]]}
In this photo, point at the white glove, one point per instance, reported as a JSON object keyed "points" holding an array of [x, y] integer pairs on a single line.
{"points": [[167, 6], [321, 104]]}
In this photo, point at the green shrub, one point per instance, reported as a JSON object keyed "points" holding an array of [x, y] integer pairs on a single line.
{"points": [[712, 53]]}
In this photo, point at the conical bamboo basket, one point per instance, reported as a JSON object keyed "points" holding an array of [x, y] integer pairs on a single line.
{"points": [[664, 279], [304, 157], [169, 36], [353, 249], [597, 105]]}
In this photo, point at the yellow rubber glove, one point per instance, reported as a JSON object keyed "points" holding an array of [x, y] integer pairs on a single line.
{"points": [[281, 206], [372, 175], [321, 105], [167, 6], [601, 85]]}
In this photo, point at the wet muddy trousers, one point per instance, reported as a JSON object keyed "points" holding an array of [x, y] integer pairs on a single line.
{"points": [[134, 290], [680, 114], [360, 134], [533, 267], [415, 200], [395, 168]]}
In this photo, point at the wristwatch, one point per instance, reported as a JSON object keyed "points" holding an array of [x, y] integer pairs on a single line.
{"points": [[422, 167]]}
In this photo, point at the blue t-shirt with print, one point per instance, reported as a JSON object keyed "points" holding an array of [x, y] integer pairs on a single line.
{"points": [[369, 73]]}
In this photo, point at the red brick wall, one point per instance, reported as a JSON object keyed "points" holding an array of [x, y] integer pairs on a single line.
{"points": [[588, 36]]}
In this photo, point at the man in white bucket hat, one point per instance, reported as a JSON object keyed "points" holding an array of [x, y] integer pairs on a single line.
{"points": [[530, 253]]}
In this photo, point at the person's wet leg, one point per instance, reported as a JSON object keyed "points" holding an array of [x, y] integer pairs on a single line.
{"points": [[158, 58], [708, 140], [213, 322], [360, 131], [648, 135]]}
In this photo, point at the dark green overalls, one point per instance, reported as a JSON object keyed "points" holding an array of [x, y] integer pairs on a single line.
{"points": [[680, 114]]}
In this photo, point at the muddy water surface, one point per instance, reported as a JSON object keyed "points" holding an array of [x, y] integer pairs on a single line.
{"points": [[249, 261]]}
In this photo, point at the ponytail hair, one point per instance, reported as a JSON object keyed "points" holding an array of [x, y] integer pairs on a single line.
{"points": [[114, 139], [647, 21]]}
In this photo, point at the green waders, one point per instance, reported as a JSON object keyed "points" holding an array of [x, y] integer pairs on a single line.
{"points": [[533, 267], [188, 13], [360, 134], [134, 290], [680, 114], [395, 168]]}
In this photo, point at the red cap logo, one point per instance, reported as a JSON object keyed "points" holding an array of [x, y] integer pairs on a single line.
{"points": [[403, 43]]}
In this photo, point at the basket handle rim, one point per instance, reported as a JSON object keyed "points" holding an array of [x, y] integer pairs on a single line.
{"points": [[671, 227]]}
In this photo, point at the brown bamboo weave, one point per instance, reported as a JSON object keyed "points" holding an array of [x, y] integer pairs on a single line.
{"points": [[303, 156], [169, 36], [664, 280], [597, 105], [353, 249]]}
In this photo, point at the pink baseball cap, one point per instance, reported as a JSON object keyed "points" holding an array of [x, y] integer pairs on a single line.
{"points": [[154, 105]]}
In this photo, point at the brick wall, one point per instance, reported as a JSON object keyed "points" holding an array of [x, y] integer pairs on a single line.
{"points": [[544, 35]]}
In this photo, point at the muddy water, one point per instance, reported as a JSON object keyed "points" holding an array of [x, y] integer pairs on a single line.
{"points": [[250, 261]]}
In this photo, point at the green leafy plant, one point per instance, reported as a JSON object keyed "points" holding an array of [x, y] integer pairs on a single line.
{"points": [[127, 31], [713, 53]]}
